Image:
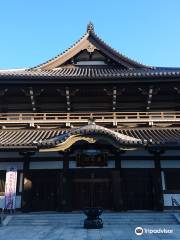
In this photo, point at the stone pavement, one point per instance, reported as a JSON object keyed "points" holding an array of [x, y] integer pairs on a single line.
{"points": [[70, 227]]}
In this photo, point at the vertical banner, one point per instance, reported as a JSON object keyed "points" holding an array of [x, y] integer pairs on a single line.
{"points": [[10, 188]]}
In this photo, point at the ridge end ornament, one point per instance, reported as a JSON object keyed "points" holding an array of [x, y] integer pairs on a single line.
{"points": [[90, 27]]}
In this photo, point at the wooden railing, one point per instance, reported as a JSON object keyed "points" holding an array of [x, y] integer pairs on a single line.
{"points": [[102, 117]]}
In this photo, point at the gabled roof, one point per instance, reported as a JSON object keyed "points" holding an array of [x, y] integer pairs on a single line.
{"points": [[89, 41], [65, 66]]}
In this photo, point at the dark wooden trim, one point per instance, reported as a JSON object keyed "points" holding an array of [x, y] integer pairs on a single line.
{"points": [[18, 182], [65, 187], [27, 184], [65, 161], [123, 157], [118, 158], [158, 188], [117, 190]]}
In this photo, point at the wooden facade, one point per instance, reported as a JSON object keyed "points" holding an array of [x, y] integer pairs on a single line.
{"points": [[91, 127]]}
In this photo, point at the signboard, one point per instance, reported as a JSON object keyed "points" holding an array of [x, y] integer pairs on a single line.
{"points": [[10, 188], [85, 160]]}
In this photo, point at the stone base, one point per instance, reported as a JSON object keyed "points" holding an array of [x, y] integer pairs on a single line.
{"points": [[93, 223]]}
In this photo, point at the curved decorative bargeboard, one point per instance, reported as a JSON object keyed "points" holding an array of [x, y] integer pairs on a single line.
{"points": [[90, 133]]}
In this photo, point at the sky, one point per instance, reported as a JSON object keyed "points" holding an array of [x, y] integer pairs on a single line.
{"points": [[34, 31]]}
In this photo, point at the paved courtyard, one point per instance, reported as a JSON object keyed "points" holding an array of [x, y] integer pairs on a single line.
{"points": [[70, 227]]}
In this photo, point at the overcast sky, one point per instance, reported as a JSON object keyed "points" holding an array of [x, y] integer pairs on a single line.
{"points": [[33, 31]]}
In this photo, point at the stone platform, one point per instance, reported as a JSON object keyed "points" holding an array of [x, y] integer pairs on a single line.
{"points": [[69, 226]]}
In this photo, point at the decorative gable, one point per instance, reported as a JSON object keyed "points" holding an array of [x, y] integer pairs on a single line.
{"points": [[90, 50]]}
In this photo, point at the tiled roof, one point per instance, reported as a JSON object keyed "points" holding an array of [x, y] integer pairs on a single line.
{"points": [[34, 137], [92, 72], [25, 137]]}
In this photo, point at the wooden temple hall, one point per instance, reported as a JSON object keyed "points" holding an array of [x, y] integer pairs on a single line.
{"points": [[91, 127]]}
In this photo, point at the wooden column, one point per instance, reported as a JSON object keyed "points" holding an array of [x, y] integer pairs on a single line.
{"points": [[117, 184], [157, 180], [65, 186], [27, 183]]}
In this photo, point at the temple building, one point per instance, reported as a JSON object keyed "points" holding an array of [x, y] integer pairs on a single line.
{"points": [[91, 127]]}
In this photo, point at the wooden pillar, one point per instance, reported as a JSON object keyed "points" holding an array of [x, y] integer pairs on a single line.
{"points": [[65, 186], [27, 183], [157, 181], [59, 189], [117, 184], [118, 160]]}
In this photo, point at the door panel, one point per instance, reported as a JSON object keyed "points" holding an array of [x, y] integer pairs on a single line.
{"points": [[138, 190], [82, 195], [92, 192], [102, 193], [44, 192]]}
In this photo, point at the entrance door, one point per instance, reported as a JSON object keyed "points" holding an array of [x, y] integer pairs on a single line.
{"points": [[44, 192], [138, 190], [92, 192]]}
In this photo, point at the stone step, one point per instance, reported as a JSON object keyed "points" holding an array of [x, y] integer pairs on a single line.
{"points": [[79, 215], [77, 219], [104, 217]]}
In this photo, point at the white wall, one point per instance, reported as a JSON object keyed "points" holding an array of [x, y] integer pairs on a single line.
{"points": [[170, 163], [46, 165], [47, 154], [10, 155], [137, 163], [141, 152], [137, 153], [33, 165], [5, 165], [171, 153]]}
